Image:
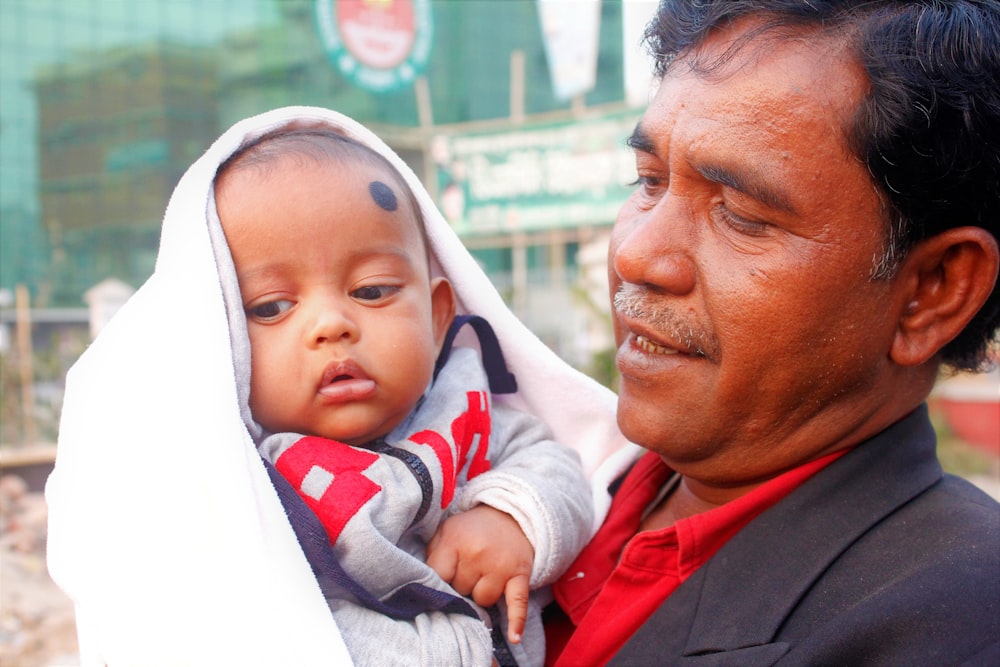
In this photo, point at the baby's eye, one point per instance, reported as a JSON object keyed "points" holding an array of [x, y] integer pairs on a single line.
{"points": [[270, 310], [374, 292]]}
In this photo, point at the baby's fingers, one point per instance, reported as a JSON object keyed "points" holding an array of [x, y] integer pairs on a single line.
{"points": [[441, 559], [516, 595]]}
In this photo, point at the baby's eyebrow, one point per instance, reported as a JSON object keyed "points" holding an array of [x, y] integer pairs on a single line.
{"points": [[261, 273], [383, 195]]}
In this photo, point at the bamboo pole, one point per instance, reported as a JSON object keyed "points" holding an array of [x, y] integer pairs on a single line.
{"points": [[517, 86], [26, 365], [425, 107]]}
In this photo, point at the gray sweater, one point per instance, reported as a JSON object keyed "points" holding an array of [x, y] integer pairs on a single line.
{"points": [[381, 505]]}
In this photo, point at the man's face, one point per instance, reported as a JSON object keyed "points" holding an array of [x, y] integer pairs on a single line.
{"points": [[751, 337], [344, 321]]}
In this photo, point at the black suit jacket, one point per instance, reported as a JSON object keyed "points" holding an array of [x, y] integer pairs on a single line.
{"points": [[876, 560]]}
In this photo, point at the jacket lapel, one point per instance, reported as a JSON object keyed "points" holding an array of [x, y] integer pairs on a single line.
{"points": [[730, 610]]}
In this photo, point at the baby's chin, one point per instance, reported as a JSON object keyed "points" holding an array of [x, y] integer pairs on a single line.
{"points": [[363, 432], [365, 440], [354, 432]]}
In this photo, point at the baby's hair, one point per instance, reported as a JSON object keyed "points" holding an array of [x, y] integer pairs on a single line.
{"points": [[320, 143]]}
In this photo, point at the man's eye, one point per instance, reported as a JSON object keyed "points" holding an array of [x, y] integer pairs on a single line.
{"points": [[649, 185], [741, 224], [645, 181], [373, 292], [269, 310]]}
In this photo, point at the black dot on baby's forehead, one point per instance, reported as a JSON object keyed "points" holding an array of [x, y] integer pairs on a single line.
{"points": [[383, 195]]}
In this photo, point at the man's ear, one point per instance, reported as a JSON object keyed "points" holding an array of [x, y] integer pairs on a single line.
{"points": [[442, 308], [945, 280]]}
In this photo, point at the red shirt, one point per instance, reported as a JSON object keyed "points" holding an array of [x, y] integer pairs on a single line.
{"points": [[622, 576]]}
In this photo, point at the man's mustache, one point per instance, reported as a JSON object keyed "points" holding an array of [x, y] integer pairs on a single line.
{"points": [[641, 305]]}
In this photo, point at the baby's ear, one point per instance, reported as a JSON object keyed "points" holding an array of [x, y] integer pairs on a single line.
{"points": [[944, 281], [442, 308]]}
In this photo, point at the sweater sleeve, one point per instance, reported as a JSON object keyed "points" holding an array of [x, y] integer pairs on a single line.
{"points": [[541, 484]]}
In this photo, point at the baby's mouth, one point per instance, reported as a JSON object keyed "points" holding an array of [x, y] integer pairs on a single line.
{"points": [[342, 371], [345, 381]]}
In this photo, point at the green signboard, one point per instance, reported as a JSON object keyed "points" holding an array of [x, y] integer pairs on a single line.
{"points": [[536, 177]]}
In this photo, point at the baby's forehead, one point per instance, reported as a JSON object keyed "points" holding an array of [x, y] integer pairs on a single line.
{"points": [[319, 147], [383, 195]]}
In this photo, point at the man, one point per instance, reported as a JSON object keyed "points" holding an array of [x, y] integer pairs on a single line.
{"points": [[813, 236]]}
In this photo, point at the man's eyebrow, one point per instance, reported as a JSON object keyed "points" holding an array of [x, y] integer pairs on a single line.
{"points": [[747, 181], [750, 183], [640, 141]]}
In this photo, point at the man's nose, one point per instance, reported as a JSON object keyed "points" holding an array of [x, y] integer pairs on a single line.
{"points": [[656, 247]]}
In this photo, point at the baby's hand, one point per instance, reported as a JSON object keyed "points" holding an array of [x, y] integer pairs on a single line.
{"points": [[483, 553]]}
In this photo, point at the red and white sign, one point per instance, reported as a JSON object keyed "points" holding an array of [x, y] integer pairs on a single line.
{"points": [[379, 33], [380, 44]]}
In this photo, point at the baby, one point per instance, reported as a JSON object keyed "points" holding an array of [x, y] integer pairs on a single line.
{"points": [[387, 433], [177, 541]]}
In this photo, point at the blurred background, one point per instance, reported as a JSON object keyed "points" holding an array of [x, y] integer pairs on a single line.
{"points": [[512, 112]]}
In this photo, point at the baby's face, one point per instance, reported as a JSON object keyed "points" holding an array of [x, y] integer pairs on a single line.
{"points": [[344, 320]]}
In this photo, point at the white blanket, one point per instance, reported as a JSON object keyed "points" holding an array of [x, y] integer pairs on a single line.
{"points": [[163, 526]]}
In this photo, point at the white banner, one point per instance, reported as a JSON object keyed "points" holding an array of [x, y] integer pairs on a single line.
{"points": [[638, 65], [570, 29]]}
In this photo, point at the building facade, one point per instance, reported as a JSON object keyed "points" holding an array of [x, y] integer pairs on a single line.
{"points": [[513, 112]]}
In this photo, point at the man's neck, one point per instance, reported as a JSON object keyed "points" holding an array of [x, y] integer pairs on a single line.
{"points": [[686, 500]]}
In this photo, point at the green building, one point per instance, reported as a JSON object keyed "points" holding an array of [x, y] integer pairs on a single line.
{"points": [[104, 104]]}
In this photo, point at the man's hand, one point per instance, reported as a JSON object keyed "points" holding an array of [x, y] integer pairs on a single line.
{"points": [[483, 553]]}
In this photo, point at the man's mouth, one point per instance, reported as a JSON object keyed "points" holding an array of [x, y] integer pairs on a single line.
{"points": [[639, 312], [647, 345]]}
